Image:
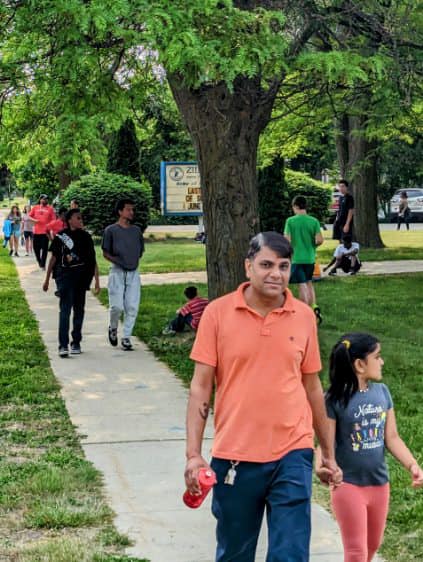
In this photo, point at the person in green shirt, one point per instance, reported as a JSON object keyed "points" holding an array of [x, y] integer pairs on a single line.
{"points": [[303, 231]]}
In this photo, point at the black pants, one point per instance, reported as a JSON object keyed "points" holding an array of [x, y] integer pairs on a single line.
{"points": [[41, 248], [178, 324], [72, 297], [346, 265], [405, 219]]}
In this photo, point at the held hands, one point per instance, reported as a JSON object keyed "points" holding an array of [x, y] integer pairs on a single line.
{"points": [[191, 473], [416, 475], [329, 473]]}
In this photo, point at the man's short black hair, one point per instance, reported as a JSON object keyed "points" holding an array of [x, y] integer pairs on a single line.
{"points": [[190, 292], [62, 210], [346, 238], [273, 240], [344, 182], [120, 205], [70, 213], [300, 201]]}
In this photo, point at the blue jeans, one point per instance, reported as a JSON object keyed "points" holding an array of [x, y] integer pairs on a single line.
{"points": [[283, 489]]}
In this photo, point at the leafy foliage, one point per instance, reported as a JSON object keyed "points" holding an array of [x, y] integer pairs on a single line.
{"points": [[35, 178], [98, 195]]}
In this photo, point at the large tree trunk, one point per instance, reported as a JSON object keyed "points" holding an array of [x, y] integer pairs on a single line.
{"points": [[225, 127], [358, 163], [363, 165]]}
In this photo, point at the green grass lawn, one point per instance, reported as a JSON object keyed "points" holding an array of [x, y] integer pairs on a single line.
{"points": [[402, 245], [164, 256], [52, 506], [389, 307]]}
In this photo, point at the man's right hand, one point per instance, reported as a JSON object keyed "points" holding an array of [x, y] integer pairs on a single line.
{"points": [[191, 473], [45, 285]]}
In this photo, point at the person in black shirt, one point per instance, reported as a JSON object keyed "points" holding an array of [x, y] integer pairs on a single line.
{"points": [[344, 218], [74, 264]]}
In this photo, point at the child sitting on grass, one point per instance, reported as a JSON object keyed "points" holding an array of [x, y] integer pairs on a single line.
{"points": [[345, 257], [188, 315]]}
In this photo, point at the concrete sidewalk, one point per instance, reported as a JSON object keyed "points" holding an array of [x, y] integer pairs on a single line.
{"points": [[130, 409]]}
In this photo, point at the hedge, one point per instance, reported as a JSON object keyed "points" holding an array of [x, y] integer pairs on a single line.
{"points": [[98, 193]]}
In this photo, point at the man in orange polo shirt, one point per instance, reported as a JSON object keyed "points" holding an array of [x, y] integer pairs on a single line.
{"points": [[258, 346]]}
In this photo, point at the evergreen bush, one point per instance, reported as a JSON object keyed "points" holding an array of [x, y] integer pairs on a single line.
{"points": [[317, 193], [277, 189], [98, 194]]}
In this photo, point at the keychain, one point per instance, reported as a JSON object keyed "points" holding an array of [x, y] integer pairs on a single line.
{"points": [[231, 474]]}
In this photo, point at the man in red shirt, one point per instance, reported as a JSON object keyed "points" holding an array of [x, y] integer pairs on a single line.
{"points": [[58, 224], [41, 214]]}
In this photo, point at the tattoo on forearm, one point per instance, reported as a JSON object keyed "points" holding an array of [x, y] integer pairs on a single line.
{"points": [[204, 410]]}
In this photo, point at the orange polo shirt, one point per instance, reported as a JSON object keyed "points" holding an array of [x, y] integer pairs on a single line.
{"points": [[261, 408]]}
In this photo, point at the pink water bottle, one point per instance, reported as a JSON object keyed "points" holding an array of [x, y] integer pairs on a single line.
{"points": [[206, 479]]}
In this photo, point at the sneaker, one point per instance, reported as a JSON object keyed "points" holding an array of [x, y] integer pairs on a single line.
{"points": [[332, 273], [318, 314], [126, 344], [113, 339], [26, 254], [167, 331], [75, 349], [10, 252], [16, 255], [63, 352]]}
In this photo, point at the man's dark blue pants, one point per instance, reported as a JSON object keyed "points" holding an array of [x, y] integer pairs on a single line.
{"points": [[283, 489]]}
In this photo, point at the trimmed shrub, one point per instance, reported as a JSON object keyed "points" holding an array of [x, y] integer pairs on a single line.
{"points": [[98, 194], [277, 189], [317, 193]]}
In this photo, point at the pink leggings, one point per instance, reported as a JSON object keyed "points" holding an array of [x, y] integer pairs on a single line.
{"points": [[361, 512]]}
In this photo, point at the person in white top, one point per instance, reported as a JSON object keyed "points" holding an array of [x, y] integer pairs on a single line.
{"points": [[345, 257]]}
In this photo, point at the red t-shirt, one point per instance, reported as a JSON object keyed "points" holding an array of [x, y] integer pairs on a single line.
{"points": [[43, 214], [195, 307], [56, 226]]}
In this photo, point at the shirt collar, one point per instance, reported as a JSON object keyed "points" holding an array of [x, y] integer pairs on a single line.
{"points": [[288, 305]]}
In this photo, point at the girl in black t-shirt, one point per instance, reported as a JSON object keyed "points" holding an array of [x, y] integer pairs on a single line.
{"points": [[362, 421]]}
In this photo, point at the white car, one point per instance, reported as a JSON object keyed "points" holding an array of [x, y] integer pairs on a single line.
{"points": [[415, 203]]}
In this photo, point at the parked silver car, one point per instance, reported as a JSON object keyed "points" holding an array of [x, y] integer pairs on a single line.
{"points": [[415, 203]]}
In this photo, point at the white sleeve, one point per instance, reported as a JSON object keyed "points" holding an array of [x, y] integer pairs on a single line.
{"points": [[339, 251]]}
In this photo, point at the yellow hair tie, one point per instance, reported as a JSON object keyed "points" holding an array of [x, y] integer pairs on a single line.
{"points": [[347, 343]]}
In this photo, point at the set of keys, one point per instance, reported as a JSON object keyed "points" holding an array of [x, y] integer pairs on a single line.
{"points": [[231, 474]]}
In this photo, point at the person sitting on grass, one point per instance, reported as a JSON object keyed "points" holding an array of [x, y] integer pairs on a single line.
{"points": [[345, 257], [188, 315]]}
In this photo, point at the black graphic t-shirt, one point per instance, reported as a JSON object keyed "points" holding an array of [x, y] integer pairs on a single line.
{"points": [[360, 435], [75, 255]]}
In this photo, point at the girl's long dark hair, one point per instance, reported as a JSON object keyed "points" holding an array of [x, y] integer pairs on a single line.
{"points": [[343, 379]]}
